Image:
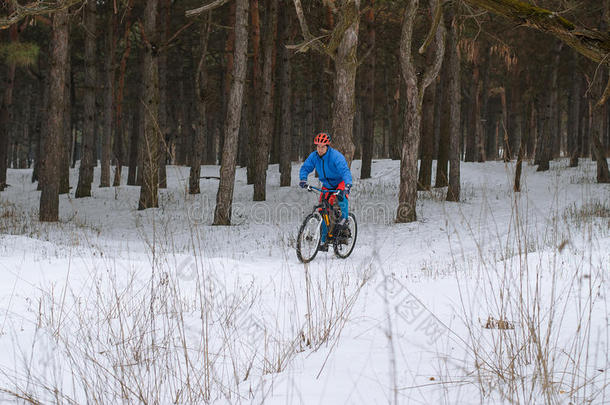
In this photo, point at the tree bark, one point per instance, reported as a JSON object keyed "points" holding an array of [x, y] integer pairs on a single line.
{"points": [[224, 197], [255, 89], [201, 92], [506, 148], [520, 156], [108, 97], [543, 147], [150, 101], [407, 194], [265, 126], [424, 181], [6, 113], [442, 160], [85, 174], [368, 97], [574, 115], [41, 128], [346, 64], [49, 198], [68, 140], [396, 137], [387, 120], [134, 138], [453, 191], [286, 104], [119, 141], [603, 174], [164, 23], [597, 131]]}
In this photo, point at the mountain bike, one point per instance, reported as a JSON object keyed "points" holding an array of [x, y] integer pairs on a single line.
{"points": [[310, 233]]}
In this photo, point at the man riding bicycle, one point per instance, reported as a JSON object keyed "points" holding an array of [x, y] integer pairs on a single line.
{"points": [[334, 174]]}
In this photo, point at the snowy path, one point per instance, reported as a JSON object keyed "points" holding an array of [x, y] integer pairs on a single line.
{"points": [[324, 327]]}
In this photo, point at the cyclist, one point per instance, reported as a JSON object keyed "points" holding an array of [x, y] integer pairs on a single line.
{"points": [[334, 174]]}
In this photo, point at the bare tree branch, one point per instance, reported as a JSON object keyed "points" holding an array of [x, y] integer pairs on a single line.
{"points": [[437, 19], [591, 43], [347, 17], [33, 9], [348, 14], [440, 33], [310, 41], [211, 6]]}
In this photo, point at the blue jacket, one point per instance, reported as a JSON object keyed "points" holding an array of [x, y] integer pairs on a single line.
{"points": [[332, 168]]}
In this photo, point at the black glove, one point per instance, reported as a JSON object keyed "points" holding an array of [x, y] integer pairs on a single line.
{"points": [[344, 193], [302, 183]]}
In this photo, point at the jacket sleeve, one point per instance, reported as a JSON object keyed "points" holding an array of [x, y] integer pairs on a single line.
{"points": [[343, 169], [307, 167]]}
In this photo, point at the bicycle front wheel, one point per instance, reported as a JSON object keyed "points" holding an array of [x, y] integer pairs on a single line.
{"points": [[346, 239], [309, 237]]}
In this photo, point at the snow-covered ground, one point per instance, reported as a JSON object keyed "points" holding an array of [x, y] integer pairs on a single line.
{"points": [[500, 298]]}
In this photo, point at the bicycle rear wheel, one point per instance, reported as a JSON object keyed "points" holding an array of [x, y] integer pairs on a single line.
{"points": [[309, 237], [346, 239]]}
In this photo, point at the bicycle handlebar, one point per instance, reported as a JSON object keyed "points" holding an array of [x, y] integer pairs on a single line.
{"points": [[312, 188]]}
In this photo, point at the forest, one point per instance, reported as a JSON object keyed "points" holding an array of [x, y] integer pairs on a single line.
{"points": [[470, 267], [139, 85]]}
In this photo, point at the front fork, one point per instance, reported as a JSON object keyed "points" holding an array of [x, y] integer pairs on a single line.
{"points": [[328, 224]]}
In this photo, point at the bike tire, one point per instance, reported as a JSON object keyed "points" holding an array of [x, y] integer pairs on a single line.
{"points": [[314, 221], [338, 248]]}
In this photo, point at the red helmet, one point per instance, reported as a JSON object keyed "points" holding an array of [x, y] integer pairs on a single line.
{"points": [[322, 139]]}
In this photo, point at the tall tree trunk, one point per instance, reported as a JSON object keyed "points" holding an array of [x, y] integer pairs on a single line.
{"points": [[407, 194], [533, 130], [387, 121], [68, 140], [274, 155], [597, 130], [424, 181], [119, 141], [210, 143], [150, 99], [470, 143], [6, 112], [49, 198], [5, 123], [228, 77], [549, 127], [453, 191], [29, 119], [108, 97], [224, 197], [42, 127], [286, 103], [134, 138], [442, 159], [515, 118], [396, 139], [574, 115], [308, 101], [201, 93], [506, 148], [346, 64], [164, 16], [265, 128], [520, 156], [543, 147], [603, 174], [255, 92], [555, 143], [85, 174], [368, 97]]}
